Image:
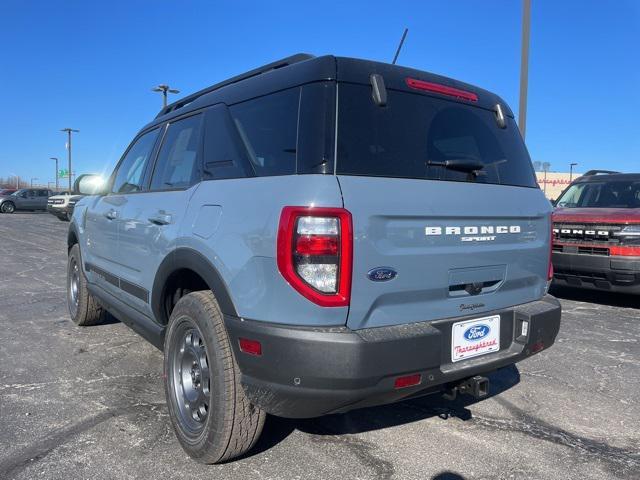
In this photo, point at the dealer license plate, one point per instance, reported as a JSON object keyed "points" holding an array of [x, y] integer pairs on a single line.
{"points": [[476, 337]]}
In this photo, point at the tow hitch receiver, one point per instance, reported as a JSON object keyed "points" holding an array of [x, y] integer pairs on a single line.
{"points": [[477, 387]]}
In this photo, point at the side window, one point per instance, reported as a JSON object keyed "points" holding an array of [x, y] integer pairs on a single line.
{"points": [[224, 155], [130, 174], [268, 128], [178, 160], [316, 128]]}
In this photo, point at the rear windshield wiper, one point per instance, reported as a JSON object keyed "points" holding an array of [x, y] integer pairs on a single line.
{"points": [[459, 164]]}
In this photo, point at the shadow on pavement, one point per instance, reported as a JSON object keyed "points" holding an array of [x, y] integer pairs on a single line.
{"points": [[448, 476], [375, 418], [17, 213], [611, 299]]}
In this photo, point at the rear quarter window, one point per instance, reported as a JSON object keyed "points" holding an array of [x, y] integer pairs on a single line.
{"points": [[268, 129]]}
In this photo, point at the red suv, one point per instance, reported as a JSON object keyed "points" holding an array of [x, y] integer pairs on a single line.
{"points": [[596, 227]]}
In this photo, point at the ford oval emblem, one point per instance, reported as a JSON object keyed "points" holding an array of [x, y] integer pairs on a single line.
{"points": [[382, 274], [476, 332]]}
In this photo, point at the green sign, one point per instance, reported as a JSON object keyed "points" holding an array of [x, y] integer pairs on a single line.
{"points": [[62, 173]]}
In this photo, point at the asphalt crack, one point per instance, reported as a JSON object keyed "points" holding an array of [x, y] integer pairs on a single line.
{"points": [[10, 467], [361, 449]]}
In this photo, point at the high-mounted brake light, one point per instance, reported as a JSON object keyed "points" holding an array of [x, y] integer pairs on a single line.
{"points": [[442, 89], [314, 253]]}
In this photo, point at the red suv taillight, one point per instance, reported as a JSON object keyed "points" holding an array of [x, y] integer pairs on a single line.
{"points": [[550, 269], [314, 253]]}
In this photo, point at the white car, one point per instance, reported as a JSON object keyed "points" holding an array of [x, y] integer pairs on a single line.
{"points": [[61, 205]]}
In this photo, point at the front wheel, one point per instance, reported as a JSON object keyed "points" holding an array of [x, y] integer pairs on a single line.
{"points": [[8, 207], [211, 416]]}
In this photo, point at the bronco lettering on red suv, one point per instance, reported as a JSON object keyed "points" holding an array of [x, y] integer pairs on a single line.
{"points": [[597, 233]]}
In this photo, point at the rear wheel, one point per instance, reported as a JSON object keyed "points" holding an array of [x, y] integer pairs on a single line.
{"points": [[83, 307], [8, 207], [212, 418]]}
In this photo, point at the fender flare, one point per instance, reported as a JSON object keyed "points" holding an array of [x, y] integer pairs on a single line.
{"points": [[71, 233], [193, 260]]}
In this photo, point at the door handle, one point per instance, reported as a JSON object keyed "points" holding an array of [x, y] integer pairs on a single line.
{"points": [[111, 214], [161, 219]]}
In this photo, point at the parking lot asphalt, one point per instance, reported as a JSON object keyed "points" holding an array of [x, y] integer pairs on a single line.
{"points": [[88, 403]]}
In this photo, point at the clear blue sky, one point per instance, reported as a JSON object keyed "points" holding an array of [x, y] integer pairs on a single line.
{"points": [[90, 65]]}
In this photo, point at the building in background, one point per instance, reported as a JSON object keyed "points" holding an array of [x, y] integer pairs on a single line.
{"points": [[553, 183]]}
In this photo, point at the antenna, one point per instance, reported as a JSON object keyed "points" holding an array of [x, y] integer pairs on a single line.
{"points": [[404, 35]]}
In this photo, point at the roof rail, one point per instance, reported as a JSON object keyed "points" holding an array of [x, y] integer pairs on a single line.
{"points": [[299, 57], [599, 172]]}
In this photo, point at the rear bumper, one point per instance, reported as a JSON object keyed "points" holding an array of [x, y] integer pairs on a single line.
{"points": [[610, 273], [308, 372]]}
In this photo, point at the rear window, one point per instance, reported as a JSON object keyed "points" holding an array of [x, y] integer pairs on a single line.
{"points": [[601, 195], [414, 133]]}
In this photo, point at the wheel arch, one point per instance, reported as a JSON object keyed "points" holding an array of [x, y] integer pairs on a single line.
{"points": [[72, 237], [188, 260]]}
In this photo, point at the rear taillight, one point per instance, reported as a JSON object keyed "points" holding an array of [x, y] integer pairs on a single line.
{"points": [[550, 268], [315, 253]]}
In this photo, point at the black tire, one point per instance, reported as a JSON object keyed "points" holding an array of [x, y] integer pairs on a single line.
{"points": [[212, 418], [63, 218], [84, 309], [8, 207]]}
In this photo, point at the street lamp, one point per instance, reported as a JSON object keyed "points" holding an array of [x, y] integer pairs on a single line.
{"points": [[32, 179], [524, 66], [56, 159], [165, 89], [69, 131], [571, 165]]}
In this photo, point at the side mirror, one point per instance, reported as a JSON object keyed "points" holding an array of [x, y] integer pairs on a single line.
{"points": [[89, 184]]}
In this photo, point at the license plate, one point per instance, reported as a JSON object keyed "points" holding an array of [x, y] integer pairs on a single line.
{"points": [[476, 337]]}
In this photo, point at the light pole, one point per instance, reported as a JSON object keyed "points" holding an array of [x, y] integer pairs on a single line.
{"points": [[165, 89], [524, 66], [571, 165], [32, 179], [69, 131], [545, 168], [56, 159]]}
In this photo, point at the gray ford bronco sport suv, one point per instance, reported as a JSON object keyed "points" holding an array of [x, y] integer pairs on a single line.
{"points": [[318, 235]]}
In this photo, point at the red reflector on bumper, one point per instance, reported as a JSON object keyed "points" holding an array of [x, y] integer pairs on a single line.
{"points": [[251, 347], [407, 381], [536, 347]]}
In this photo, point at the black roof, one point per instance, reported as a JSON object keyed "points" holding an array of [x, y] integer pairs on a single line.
{"points": [[304, 68], [611, 177]]}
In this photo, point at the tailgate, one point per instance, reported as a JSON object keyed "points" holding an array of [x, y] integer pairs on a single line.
{"points": [[458, 248]]}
